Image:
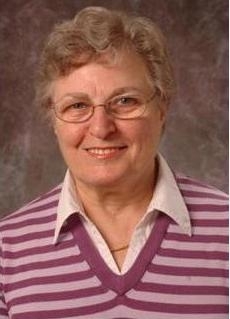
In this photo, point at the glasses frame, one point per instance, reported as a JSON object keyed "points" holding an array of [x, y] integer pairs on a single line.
{"points": [[106, 107]]}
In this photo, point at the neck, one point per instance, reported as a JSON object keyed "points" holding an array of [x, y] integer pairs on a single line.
{"points": [[116, 211], [112, 202]]}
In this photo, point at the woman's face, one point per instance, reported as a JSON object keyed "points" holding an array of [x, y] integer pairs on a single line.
{"points": [[104, 151]]}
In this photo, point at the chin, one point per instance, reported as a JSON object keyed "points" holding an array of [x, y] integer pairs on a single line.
{"points": [[102, 180]]}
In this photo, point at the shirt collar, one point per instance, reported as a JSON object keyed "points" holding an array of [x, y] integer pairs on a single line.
{"points": [[166, 198], [67, 205]]}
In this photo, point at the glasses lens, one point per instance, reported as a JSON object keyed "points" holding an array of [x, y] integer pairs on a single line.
{"points": [[127, 107], [74, 112]]}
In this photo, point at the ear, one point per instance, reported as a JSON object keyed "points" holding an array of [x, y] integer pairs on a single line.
{"points": [[55, 130], [52, 121], [163, 108]]}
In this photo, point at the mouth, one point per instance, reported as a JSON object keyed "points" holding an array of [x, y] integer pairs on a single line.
{"points": [[105, 152]]}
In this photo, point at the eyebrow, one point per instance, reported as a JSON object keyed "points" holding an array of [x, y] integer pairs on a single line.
{"points": [[115, 92], [125, 90]]}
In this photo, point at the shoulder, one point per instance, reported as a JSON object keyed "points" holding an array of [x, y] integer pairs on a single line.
{"points": [[202, 198], [191, 187], [35, 212]]}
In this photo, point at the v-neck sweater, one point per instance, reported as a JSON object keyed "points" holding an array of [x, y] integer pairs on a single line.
{"points": [[166, 197], [174, 276]]}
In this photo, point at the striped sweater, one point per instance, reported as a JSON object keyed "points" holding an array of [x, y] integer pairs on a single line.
{"points": [[174, 277]]}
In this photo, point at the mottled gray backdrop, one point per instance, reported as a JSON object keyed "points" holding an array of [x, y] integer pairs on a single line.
{"points": [[196, 139]]}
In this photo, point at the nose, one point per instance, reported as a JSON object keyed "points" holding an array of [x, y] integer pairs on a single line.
{"points": [[101, 124]]}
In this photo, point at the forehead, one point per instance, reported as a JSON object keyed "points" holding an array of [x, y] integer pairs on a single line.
{"points": [[105, 75]]}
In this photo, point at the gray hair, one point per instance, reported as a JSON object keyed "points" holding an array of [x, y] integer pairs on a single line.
{"points": [[92, 33]]}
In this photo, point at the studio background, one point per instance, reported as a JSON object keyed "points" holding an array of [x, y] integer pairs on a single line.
{"points": [[196, 137]]}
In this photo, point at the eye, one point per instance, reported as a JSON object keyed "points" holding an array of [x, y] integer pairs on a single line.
{"points": [[79, 106], [127, 101], [73, 106]]}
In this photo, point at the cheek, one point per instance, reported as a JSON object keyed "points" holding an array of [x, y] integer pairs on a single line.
{"points": [[150, 139], [68, 136], [150, 131]]}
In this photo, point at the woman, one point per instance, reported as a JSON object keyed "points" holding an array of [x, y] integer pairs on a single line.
{"points": [[117, 239]]}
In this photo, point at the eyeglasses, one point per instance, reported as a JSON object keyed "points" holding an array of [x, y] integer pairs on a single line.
{"points": [[123, 107]]}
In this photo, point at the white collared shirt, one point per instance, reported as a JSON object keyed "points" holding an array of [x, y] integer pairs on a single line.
{"points": [[166, 198]]}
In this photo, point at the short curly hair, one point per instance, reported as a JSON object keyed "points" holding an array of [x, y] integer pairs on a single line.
{"points": [[92, 33]]}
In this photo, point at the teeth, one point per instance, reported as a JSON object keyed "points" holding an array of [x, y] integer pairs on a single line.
{"points": [[100, 151]]}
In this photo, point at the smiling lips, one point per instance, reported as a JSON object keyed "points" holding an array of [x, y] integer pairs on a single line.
{"points": [[105, 152]]}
